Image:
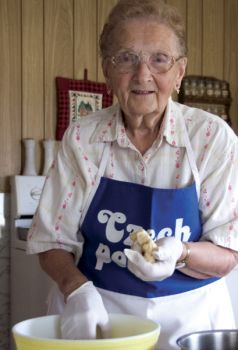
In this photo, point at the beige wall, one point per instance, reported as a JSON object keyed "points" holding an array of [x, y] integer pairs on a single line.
{"points": [[42, 39]]}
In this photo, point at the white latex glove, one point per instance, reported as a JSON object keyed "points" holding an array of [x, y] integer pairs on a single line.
{"points": [[168, 252], [83, 313]]}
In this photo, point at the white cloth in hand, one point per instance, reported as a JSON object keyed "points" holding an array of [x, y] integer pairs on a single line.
{"points": [[84, 312], [168, 252]]}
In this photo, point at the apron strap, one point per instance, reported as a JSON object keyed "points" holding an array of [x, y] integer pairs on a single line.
{"points": [[100, 173], [191, 160]]}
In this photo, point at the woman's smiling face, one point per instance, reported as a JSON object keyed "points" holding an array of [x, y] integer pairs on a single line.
{"points": [[140, 91]]}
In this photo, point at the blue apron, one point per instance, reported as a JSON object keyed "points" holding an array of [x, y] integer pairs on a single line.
{"points": [[116, 208]]}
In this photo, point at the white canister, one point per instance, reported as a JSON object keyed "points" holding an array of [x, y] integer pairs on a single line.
{"points": [[29, 164], [49, 147]]}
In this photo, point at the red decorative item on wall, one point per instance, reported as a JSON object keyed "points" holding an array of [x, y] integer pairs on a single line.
{"points": [[64, 86]]}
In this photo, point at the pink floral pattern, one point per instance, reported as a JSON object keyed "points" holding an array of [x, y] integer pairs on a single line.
{"points": [[122, 136], [112, 170], [207, 138], [77, 132], [172, 129], [205, 197], [106, 131], [62, 209], [177, 166]]}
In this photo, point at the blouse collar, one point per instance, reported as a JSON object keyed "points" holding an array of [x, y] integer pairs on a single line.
{"points": [[112, 128]]}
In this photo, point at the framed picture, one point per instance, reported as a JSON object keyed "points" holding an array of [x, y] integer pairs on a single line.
{"points": [[77, 98], [83, 103]]}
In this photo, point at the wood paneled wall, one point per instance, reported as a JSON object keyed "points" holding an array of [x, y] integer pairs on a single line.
{"points": [[42, 39]]}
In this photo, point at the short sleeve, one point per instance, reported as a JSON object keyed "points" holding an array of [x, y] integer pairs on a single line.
{"points": [[56, 221], [219, 191]]}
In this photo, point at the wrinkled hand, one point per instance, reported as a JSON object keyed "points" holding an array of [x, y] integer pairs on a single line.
{"points": [[168, 252], [83, 313]]}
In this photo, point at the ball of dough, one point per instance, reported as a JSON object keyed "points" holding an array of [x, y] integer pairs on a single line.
{"points": [[147, 245]]}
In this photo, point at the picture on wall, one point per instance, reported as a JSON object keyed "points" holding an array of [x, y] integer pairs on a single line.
{"points": [[83, 103]]}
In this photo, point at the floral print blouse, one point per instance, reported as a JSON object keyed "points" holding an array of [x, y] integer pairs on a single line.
{"points": [[165, 165]]}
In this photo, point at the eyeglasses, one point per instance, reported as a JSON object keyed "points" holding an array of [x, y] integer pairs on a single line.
{"points": [[128, 61]]}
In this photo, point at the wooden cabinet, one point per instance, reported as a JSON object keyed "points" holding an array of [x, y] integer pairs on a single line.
{"points": [[208, 93]]}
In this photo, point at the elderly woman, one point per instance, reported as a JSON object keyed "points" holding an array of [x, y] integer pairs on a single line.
{"points": [[150, 163]]}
